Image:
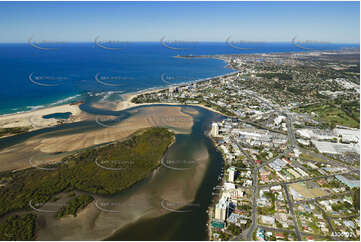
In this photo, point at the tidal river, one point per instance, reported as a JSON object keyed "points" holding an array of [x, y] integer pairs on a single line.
{"points": [[170, 204], [187, 223]]}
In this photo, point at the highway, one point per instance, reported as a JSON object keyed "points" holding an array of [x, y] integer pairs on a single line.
{"points": [[254, 205], [254, 198]]}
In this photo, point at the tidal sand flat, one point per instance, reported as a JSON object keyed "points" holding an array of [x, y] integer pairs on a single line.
{"points": [[188, 222], [163, 191], [81, 172], [125, 102], [146, 117], [53, 147]]}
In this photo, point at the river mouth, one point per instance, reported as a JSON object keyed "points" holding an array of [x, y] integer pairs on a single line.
{"points": [[178, 198]]}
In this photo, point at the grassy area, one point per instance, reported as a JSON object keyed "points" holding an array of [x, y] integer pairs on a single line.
{"points": [[16, 130], [135, 158], [332, 114], [305, 156], [75, 205], [17, 227]]}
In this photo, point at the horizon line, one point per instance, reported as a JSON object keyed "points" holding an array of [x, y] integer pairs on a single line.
{"points": [[183, 41]]}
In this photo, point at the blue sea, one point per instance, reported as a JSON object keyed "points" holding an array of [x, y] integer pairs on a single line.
{"points": [[59, 73]]}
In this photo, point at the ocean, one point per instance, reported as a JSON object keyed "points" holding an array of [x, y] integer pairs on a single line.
{"points": [[45, 74]]}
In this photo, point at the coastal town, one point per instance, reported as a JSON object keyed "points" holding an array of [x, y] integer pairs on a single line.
{"points": [[290, 143]]}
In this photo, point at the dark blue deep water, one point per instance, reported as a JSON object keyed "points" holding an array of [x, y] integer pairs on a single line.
{"points": [[32, 78]]}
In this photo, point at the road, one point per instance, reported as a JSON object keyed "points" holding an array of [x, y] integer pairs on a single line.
{"points": [[254, 205], [291, 134], [260, 126], [290, 205], [253, 225], [325, 216]]}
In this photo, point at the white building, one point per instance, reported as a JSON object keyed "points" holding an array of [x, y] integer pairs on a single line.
{"points": [[215, 130], [221, 209], [229, 186], [231, 174], [335, 148], [267, 220], [348, 135], [279, 120]]}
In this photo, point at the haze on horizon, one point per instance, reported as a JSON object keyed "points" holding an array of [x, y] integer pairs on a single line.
{"points": [[337, 22]]}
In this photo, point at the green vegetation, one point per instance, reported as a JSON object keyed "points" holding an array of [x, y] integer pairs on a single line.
{"points": [[335, 113], [224, 236], [268, 210], [244, 207], [235, 230], [18, 227], [278, 224], [281, 76], [74, 205], [356, 198], [341, 206], [136, 158], [15, 130]]}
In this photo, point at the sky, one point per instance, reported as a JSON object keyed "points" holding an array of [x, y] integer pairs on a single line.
{"points": [[337, 22]]}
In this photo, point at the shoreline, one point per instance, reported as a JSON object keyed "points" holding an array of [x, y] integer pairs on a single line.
{"points": [[34, 120], [215, 198], [71, 100], [127, 103]]}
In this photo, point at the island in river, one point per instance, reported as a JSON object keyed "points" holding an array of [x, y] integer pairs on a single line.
{"points": [[90, 171]]}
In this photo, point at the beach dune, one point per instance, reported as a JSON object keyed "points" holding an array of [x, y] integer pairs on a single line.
{"points": [[34, 119]]}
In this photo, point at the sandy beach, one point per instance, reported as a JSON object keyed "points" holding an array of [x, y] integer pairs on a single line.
{"points": [[126, 103], [34, 119]]}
